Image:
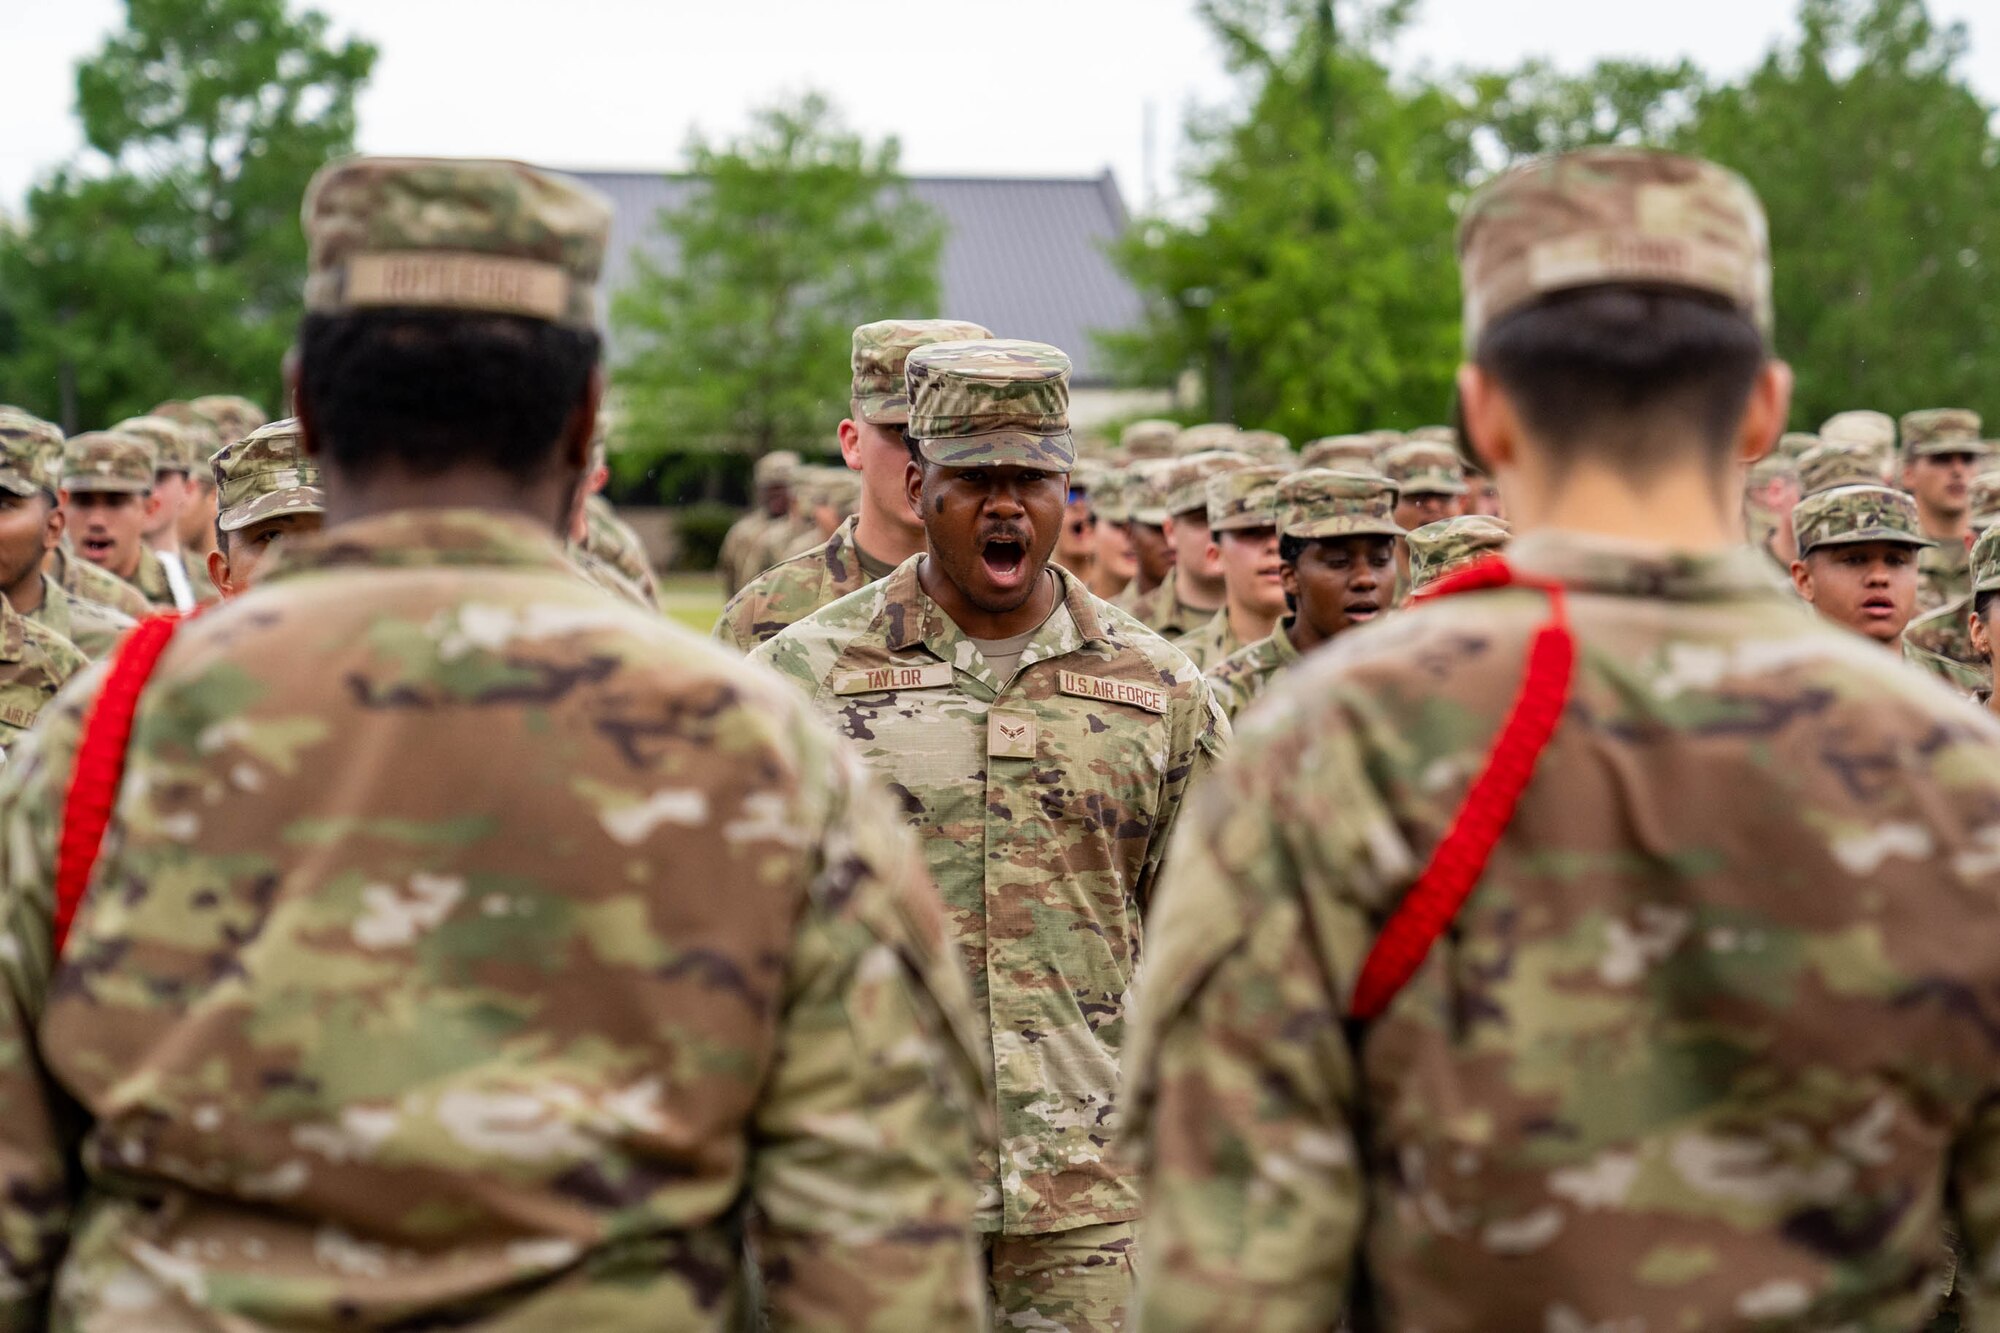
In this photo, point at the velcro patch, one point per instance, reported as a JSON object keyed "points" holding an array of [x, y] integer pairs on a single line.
{"points": [[1149, 697], [875, 680], [16, 716], [1010, 735], [458, 281]]}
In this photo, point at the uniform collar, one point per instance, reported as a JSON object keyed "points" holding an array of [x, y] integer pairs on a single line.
{"points": [[423, 539], [910, 618], [56, 604], [1596, 564], [13, 633]]}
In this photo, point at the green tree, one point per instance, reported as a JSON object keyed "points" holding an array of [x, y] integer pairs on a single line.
{"points": [[1880, 170], [1317, 290], [739, 342], [168, 260], [1538, 109]]}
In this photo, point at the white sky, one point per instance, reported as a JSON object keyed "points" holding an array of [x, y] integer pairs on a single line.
{"points": [[1037, 87]]}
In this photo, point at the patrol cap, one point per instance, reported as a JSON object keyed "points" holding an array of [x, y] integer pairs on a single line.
{"points": [[1187, 484], [1793, 444], [1601, 216], [1846, 515], [264, 474], [1152, 437], [232, 416], [1941, 430], [1266, 446], [1148, 490], [777, 468], [108, 460], [1437, 549], [31, 452], [1206, 438], [1425, 467], [458, 234], [1831, 463], [991, 403], [1983, 500], [1321, 502], [1244, 498], [1861, 426], [1111, 496], [1344, 453], [881, 393], [1444, 435], [173, 444], [1986, 561], [1770, 468]]}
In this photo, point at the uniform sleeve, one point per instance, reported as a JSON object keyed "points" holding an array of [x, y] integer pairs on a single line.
{"points": [[862, 1177], [1201, 733], [1975, 1194], [38, 1127], [732, 627], [1240, 1084]]}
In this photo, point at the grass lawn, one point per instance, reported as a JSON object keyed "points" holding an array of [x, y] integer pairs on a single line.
{"points": [[695, 600]]}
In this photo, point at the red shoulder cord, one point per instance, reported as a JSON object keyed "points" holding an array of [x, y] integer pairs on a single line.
{"points": [[100, 764], [1429, 908]]}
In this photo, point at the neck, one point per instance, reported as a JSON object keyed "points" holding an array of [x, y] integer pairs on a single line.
{"points": [[1686, 509], [27, 593], [1303, 636], [979, 623], [1201, 594], [1248, 624], [350, 498], [1943, 527], [1106, 585], [1146, 585], [167, 540], [883, 537]]}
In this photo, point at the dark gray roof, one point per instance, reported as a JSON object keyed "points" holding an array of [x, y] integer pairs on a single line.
{"points": [[1025, 257]]}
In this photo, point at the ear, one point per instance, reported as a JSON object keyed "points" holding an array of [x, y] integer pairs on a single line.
{"points": [[1214, 548], [153, 504], [913, 487], [1764, 417], [1288, 578], [53, 527], [218, 574], [1492, 429], [1982, 642], [1802, 579], [850, 444]]}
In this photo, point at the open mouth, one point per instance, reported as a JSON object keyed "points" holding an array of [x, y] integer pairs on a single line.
{"points": [[1363, 610], [97, 549], [1005, 559], [1882, 608]]}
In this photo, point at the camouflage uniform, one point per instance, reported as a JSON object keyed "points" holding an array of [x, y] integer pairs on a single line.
{"points": [[1208, 437], [1940, 641], [1702, 1049], [1449, 545], [1944, 572], [1266, 446], [1243, 499], [114, 461], [748, 534], [34, 659], [1185, 487], [1150, 438], [610, 539], [174, 449], [1425, 467], [31, 460], [1874, 433], [1341, 453], [1314, 504], [1043, 802], [266, 474], [1834, 463], [471, 950]]}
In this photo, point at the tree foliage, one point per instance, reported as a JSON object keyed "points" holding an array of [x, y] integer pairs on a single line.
{"points": [[796, 232], [168, 260]]}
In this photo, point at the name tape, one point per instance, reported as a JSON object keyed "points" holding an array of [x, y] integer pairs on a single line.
{"points": [[1149, 697], [876, 679], [458, 282]]}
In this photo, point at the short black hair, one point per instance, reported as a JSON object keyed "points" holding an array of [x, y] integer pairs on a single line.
{"points": [[438, 388], [1291, 548], [1585, 368], [1983, 601]]}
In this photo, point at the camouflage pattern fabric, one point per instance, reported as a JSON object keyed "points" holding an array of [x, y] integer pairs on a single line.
{"points": [[1612, 215], [879, 389], [454, 234], [1835, 463], [1341, 453], [150, 578], [997, 402], [1111, 497], [1208, 437], [1444, 547], [1316, 503], [1266, 446], [34, 663], [31, 453], [470, 950], [232, 416], [1941, 430], [1944, 575], [780, 467], [1043, 803], [1240, 677], [1873, 430], [1076, 1281], [739, 546], [1425, 467], [105, 460], [1186, 483], [1849, 514], [781, 541], [92, 627], [1719, 1078], [1152, 437], [1940, 642], [93, 583], [1210, 642], [1244, 499], [787, 594], [265, 474], [612, 580], [1163, 612], [1791, 447], [610, 539], [173, 444]]}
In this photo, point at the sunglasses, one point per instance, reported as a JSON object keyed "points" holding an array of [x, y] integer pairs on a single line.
{"points": [[1079, 526]]}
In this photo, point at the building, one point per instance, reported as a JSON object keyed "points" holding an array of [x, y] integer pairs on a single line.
{"points": [[1026, 257]]}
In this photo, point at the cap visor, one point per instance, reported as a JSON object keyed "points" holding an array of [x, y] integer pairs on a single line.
{"points": [[1895, 536], [884, 409], [1009, 448], [121, 485], [291, 500], [15, 484], [1316, 529]]}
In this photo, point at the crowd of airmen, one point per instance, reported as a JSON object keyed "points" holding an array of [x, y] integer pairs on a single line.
{"points": [[1557, 910]]}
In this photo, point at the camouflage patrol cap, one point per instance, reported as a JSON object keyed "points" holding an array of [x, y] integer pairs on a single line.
{"points": [[1603, 216], [1149, 480], [835, 487], [1244, 498], [1793, 444], [1266, 446], [173, 444], [1941, 430], [264, 474], [1849, 514], [232, 416], [881, 392], [1444, 435], [1111, 496], [1986, 561], [31, 452], [1424, 467], [1831, 463], [1317, 503], [991, 403], [1151, 438], [108, 460], [1187, 483], [1862, 426], [1208, 437], [1771, 467], [454, 234], [1437, 549], [1983, 500], [1345, 453], [777, 468]]}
